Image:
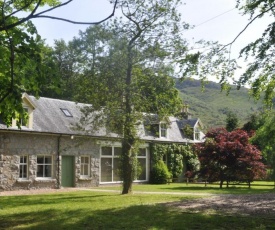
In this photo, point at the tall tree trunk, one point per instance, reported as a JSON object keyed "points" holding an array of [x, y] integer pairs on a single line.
{"points": [[128, 129], [127, 166], [221, 183]]}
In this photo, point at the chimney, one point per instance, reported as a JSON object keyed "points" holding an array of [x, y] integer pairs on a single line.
{"points": [[185, 111]]}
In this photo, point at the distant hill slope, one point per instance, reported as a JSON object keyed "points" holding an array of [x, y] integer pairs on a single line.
{"points": [[211, 105]]}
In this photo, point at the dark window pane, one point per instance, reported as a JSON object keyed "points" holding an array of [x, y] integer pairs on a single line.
{"points": [[106, 169], [85, 171], [40, 160], [115, 171], [23, 171], [117, 151], [23, 159], [106, 151], [142, 152], [142, 165], [48, 170], [39, 172], [48, 159]]}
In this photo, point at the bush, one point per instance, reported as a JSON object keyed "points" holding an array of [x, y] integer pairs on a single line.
{"points": [[159, 173]]}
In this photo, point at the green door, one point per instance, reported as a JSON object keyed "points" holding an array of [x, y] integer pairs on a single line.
{"points": [[67, 171]]}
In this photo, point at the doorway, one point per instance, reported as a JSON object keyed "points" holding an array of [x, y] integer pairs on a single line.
{"points": [[67, 171]]}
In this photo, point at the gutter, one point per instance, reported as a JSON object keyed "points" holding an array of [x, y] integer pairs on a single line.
{"points": [[58, 161], [18, 131]]}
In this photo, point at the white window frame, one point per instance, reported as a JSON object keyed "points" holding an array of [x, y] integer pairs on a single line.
{"points": [[44, 166], [23, 165], [163, 129], [19, 118], [82, 166], [112, 156], [26, 110], [197, 134], [146, 163]]}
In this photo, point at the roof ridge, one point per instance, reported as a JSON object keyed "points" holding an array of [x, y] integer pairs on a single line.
{"points": [[56, 99]]}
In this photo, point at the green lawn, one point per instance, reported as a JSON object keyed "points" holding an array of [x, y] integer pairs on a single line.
{"points": [[108, 210], [256, 187]]}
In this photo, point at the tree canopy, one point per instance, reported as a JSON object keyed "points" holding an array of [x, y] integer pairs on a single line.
{"points": [[232, 121], [260, 71], [228, 156], [264, 138], [256, 58], [24, 57]]}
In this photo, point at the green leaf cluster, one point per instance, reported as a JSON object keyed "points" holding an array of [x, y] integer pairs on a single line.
{"points": [[179, 158], [159, 173]]}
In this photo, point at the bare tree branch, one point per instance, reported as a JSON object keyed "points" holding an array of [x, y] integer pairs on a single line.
{"points": [[55, 7], [248, 24], [32, 15]]}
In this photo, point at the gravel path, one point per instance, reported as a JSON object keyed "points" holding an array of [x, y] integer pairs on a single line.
{"points": [[255, 204]]}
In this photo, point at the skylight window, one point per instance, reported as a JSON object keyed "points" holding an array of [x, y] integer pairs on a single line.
{"points": [[66, 112]]}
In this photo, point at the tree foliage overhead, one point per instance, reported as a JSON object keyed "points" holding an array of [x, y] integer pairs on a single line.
{"points": [[24, 60], [214, 59], [228, 156], [260, 72], [264, 139]]}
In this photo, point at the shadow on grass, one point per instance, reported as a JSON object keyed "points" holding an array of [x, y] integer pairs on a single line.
{"points": [[132, 217], [48, 199]]}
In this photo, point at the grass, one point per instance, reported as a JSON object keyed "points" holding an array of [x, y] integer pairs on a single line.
{"points": [[107, 210], [191, 188]]}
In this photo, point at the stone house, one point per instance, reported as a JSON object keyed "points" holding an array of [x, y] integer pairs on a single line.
{"points": [[48, 152]]}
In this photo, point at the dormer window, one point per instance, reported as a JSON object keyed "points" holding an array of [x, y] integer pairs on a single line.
{"points": [[163, 130], [155, 127], [25, 119], [197, 134]]}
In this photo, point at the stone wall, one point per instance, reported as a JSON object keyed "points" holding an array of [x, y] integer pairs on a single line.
{"points": [[14, 145], [81, 146]]}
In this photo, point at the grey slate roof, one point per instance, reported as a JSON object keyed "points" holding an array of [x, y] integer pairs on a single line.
{"points": [[49, 118]]}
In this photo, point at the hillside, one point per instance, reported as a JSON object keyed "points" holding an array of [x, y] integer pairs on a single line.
{"points": [[211, 105]]}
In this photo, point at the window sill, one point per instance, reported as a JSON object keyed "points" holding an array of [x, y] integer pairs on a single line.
{"points": [[47, 180], [23, 181], [85, 178]]}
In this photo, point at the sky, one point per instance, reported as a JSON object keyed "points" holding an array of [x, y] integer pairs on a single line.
{"points": [[214, 20]]}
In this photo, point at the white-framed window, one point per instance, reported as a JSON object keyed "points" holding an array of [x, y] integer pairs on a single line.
{"points": [[197, 134], [24, 118], [109, 163], [44, 166], [142, 164], [85, 166], [163, 130], [23, 167]]}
